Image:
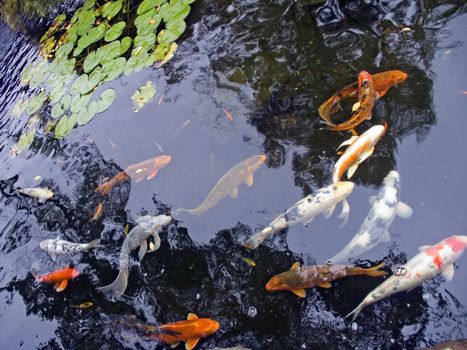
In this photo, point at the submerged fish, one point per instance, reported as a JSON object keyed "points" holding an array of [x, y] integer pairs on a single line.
{"points": [[305, 210], [382, 82], [146, 226], [59, 246], [149, 169], [42, 194], [430, 262], [58, 278], [228, 184], [366, 100], [374, 229], [450, 345], [298, 278], [360, 148], [189, 331]]}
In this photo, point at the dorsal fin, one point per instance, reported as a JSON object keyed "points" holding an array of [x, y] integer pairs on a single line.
{"points": [[295, 266], [191, 316]]}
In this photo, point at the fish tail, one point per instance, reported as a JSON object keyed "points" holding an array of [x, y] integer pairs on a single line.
{"points": [[195, 211], [117, 287], [254, 241], [354, 313], [95, 244], [374, 271]]}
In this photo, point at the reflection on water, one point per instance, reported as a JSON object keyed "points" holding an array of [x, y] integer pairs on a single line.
{"points": [[270, 66]]}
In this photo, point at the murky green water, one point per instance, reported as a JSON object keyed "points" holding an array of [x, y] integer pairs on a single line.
{"points": [[270, 66]]}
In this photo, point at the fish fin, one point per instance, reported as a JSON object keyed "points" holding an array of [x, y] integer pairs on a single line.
{"points": [[157, 243], [356, 311], [423, 247], [234, 193], [327, 214], [403, 210], [192, 316], [372, 199], [307, 223], [53, 256], [345, 212], [295, 266], [142, 249], [152, 175], [191, 343], [348, 142], [352, 170], [300, 292], [117, 287], [249, 180], [95, 243], [448, 272], [174, 345], [365, 154], [42, 200], [355, 106], [325, 285], [61, 286], [369, 117], [385, 236], [56, 285], [374, 271]]}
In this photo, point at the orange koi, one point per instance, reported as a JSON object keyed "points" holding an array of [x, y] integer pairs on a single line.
{"points": [[98, 212], [360, 148], [298, 278], [149, 169], [382, 82], [59, 278]]}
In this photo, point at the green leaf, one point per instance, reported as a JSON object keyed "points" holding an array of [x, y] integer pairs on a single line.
{"points": [[40, 74], [136, 63], [25, 140], [113, 69], [78, 84], [147, 5], [143, 95], [63, 128], [86, 114], [26, 74], [19, 107], [147, 41], [66, 101], [115, 31], [125, 45], [106, 100], [173, 32], [78, 102], [109, 52], [36, 103], [97, 33], [96, 77], [85, 22], [57, 110], [59, 19], [112, 8], [149, 24], [141, 19], [91, 61], [57, 92], [63, 51], [68, 67]]}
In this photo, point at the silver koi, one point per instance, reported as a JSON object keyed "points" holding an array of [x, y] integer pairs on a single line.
{"points": [[374, 229], [59, 246], [146, 226], [42, 194], [305, 210]]}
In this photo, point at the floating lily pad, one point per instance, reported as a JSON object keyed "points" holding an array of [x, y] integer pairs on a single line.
{"points": [[113, 69], [173, 32], [19, 107], [64, 50], [95, 77], [106, 100], [125, 45], [133, 63], [78, 102], [25, 140], [86, 20], [78, 84], [146, 42], [168, 54], [143, 95], [149, 24], [40, 74], [86, 114], [63, 127], [115, 31], [57, 110], [66, 101], [59, 19], [36, 103], [26, 74], [68, 67], [91, 61], [110, 9], [176, 8], [57, 92], [109, 52], [147, 5], [142, 19], [71, 35]]}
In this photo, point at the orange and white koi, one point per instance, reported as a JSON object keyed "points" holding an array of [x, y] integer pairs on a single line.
{"points": [[298, 278], [58, 278], [360, 148], [430, 262]]}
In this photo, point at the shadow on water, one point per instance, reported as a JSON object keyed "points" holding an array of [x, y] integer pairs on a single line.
{"points": [[281, 66]]}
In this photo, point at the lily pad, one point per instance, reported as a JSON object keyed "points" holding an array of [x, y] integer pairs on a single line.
{"points": [[149, 24], [91, 61], [173, 32], [106, 100], [136, 63], [68, 66], [86, 114], [40, 74], [113, 69], [143, 95], [125, 45], [147, 5], [141, 19], [25, 140], [146, 42], [64, 50], [109, 52], [86, 20], [27, 73], [63, 127], [110, 9], [57, 92], [36, 103], [57, 110], [19, 107], [66, 101], [176, 8], [78, 102], [78, 84], [115, 31]]}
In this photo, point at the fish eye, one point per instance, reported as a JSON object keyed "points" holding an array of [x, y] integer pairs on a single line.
{"points": [[365, 83]]}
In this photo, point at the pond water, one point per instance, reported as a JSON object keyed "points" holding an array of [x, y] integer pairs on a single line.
{"points": [[270, 66]]}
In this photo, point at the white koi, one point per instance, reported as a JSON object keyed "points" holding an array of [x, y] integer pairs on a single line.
{"points": [[60, 246], [42, 194]]}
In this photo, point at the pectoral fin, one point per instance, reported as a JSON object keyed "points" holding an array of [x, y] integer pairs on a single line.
{"points": [[325, 285], [61, 287], [299, 292], [345, 212], [192, 316], [295, 266], [348, 142], [157, 243], [403, 210], [142, 250], [355, 106], [234, 193], [372, 199], [448, 272], [53, 256], [174, 345], [386, 237], [365, 154], [190, 344], [307, 223], [152, 175], [327, 214], [352, 170], [249, 180]]}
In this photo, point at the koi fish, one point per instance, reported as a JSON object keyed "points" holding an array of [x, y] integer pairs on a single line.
{"points": [[374, 229], [306, 209], [59, 246], [451, 345], [149, 169], [298, 278], [366, 100], [430, 262], [146, 226], [228, 184], [98, 212], [360, 148], [189, 331], [42, 194], [58, 278], [382, 82]]}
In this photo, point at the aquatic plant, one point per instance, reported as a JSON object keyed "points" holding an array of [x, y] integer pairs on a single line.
{"points": [[13, 11], [143, 95], [100, 42]]}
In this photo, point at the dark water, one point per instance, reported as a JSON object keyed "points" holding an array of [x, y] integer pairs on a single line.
{"points": [[271, 67]]}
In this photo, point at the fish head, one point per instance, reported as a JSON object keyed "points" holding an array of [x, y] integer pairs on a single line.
{"points": [[456, 243], [278, 282], [208, 326], [150, 223], [392, 179], [364, 79], [343, 188], [398, 76], [43, 244], [74, 273]]}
